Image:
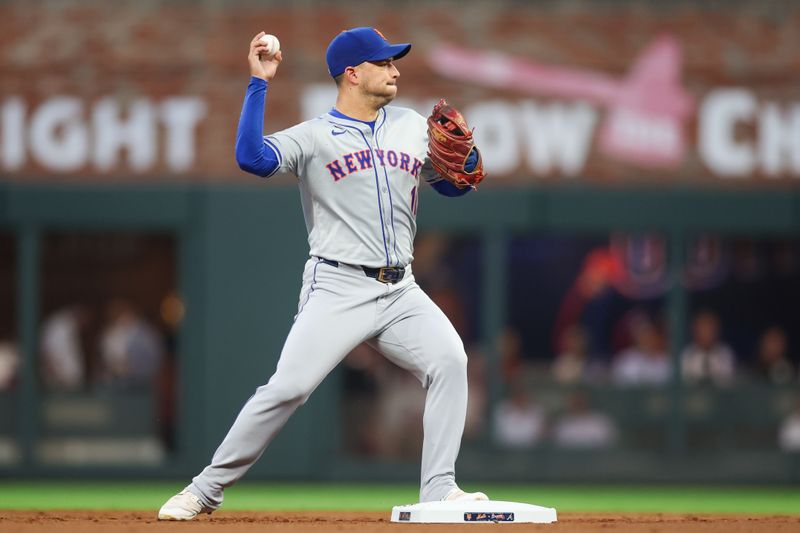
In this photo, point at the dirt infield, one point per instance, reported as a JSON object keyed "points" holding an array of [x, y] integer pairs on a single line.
{"points": [[322, 522]]}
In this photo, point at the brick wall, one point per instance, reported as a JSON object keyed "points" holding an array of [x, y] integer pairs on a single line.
{"points": [[159, 50]]}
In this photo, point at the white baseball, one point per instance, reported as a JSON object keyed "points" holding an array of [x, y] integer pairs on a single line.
{"points": [[273, 45]]}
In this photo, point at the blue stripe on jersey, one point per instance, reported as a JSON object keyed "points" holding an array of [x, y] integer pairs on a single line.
{"points": [[391, 204], [382, 121], [274, 149], [252, 154], [338, 114], [278, 154], [377, 183]]}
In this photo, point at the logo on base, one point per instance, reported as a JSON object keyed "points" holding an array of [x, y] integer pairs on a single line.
{"points": [[488, 517], [405, 516]]}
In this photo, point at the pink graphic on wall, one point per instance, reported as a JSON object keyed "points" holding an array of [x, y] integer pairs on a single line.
{"points": [[647, 109]]}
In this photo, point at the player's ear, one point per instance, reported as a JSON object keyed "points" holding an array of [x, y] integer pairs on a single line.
{"points": [[351, 75]]}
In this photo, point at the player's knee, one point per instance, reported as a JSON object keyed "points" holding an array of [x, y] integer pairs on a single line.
{"points": [[296, 392], [452, 363], [288, 392]]}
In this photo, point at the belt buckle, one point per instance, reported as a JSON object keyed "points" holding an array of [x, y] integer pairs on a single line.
{"points": [[382, 275]]}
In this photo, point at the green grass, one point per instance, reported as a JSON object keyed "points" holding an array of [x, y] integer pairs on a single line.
{"points": [[371, 497]]}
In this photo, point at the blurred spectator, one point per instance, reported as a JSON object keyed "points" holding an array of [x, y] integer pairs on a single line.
{"points": [[591, 300], [62, 350], [518, 421], [360, 375], [789, 434], [749, 264], [9, 362], [772, 362], [644, 363], [707, 358], [581, 427], [574, 364], [399, 423], [433, 270], [132, 350], [512, 359]]}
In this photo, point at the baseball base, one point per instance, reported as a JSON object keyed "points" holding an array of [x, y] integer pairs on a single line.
{"points": [[479, 512]]}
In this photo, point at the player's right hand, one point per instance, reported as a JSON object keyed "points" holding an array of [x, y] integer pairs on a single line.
{"points": [[260, 67]]}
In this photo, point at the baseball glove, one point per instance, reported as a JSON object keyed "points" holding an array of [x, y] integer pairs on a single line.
{"points": [[451, 148]]}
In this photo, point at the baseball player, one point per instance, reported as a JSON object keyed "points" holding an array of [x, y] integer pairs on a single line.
{"points": [[358, 168]]}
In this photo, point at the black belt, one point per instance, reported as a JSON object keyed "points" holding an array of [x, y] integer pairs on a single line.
{"points": [[384, 274]]}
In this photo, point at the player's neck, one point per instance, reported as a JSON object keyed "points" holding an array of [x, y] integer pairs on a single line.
{"points": [[357, 108]]}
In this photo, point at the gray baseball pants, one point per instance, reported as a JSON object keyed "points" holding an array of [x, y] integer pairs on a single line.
{"points": [[339, 308]]}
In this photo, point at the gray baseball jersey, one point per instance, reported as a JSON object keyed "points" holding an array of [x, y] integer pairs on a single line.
{"points": [[359, 184]]}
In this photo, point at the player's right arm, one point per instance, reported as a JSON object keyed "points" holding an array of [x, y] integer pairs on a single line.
{"points": [[260, 66], [253, 154]]}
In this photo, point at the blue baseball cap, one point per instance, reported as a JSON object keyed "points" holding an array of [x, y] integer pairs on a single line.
{"points": [[353, 47]]}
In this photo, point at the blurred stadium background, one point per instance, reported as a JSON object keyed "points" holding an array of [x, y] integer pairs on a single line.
{"points": [[626, 281]]}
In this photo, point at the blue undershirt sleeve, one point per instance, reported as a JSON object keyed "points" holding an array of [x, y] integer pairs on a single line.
{"points": [[446, 188], [253, 154]]}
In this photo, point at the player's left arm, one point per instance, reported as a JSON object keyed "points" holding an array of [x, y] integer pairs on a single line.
{"points": [[444, 187], [450, 174]]}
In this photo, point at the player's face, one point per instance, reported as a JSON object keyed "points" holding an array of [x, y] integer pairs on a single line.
{"points": [[379, 80]]}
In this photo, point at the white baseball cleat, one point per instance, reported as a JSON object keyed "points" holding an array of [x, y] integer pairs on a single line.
{"points": [[182, 506], [458, 495]]}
